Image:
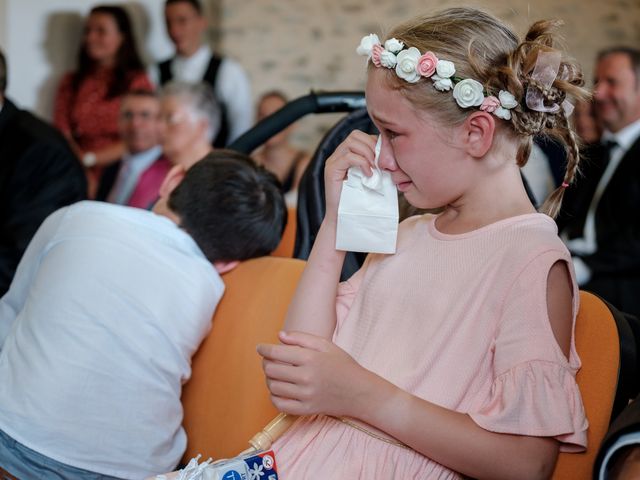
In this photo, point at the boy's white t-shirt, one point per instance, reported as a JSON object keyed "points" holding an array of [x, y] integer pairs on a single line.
{"points": [[97, 331]]}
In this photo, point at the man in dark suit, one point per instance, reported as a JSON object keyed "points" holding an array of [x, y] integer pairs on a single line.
{"points": [[38, 175], [600, 219]]}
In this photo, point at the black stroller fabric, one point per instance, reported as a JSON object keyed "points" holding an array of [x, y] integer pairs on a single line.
{"points": [[311, 204]]}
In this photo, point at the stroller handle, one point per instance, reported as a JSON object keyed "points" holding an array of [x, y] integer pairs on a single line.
{"points": [[314, 102]]}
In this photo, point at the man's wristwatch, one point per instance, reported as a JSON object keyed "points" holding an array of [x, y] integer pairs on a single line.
{"points": [[89, 159]]}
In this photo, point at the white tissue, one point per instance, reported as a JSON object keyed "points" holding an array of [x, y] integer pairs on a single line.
{"points": [[355, 177], [368, 211]]}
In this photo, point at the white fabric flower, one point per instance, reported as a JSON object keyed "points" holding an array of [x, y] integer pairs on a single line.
{"points": [[442, 84], [388, 59], [393, 45], [445, 69], [507, 100], [502, 113], [407, 63], [468, 93], [366, 44]]}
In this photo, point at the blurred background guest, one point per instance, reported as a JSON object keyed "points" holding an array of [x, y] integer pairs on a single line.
{"points": [[136, 179], [194, 62], [278, 155], [586, 125], [538, 171], [38, 174], [189, 120], [599, 219], [88, 100]]}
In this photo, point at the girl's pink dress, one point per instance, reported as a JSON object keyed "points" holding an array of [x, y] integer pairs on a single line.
{"points": [[461, 321]]}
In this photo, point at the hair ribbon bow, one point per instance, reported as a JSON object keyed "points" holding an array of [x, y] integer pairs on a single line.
{"points": [[544, 73]]}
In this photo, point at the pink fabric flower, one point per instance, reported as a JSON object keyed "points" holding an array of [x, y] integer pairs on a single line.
{"points": [[427, 64], [490, 104], [376, 51]]}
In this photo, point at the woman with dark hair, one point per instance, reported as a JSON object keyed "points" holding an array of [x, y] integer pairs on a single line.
{"points": [[278, 155], [88, 99]]}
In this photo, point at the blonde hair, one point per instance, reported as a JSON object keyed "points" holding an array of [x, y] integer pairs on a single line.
{"points": [[483, 48]]}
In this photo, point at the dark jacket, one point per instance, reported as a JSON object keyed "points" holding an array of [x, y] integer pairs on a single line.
{"points": [[38, 174], [615, 266]]}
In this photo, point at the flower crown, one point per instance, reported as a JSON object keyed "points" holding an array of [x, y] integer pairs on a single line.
{"points": [[411, 65]]}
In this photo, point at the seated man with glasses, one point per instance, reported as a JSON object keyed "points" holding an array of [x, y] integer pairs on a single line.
{"points": [[136, 179]]}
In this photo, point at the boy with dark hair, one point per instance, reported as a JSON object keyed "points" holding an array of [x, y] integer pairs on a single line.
{"points": [[106, 309], [240, 226]]}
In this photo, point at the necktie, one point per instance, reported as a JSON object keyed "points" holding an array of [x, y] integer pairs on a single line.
{"points": [[607, 148]]}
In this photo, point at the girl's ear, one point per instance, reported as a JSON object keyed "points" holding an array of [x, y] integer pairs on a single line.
{"points": [[479, 129], [172, 180]]}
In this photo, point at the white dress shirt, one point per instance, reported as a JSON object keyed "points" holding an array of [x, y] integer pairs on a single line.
{"points": [[131, 168], [588, 244], [232, 86], [538, 174], [107, 307]]}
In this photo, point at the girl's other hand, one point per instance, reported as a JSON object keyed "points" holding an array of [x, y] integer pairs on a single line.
{"points": [[309, 375], [356, 150]]}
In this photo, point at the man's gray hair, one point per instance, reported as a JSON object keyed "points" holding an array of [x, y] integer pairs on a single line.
{"points": [[200, 100]]}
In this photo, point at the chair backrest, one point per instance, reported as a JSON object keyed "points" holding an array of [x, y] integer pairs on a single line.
{"points": [[226, 401], [285, 248], [598, 345]]}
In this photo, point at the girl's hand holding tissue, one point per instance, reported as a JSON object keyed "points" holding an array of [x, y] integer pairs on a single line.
{"points": [[368, 210], [358, 149]]}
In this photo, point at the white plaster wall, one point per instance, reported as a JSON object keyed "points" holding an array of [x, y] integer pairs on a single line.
{"points": [[296, 45], [3, 9], [292, 45], [40, 39]]}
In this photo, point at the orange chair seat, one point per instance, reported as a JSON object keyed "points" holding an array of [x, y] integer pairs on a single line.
{"points": [[226, 401], [288, 241], [598, 346]]}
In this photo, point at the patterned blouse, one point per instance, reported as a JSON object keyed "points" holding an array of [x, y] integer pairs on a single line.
{"points": [[88, 116]]}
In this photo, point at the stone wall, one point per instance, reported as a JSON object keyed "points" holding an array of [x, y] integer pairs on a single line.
{"points": [[298, 45]]}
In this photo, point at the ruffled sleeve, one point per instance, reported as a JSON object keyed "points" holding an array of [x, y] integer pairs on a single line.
{"points": [[533, 389], [539, 399]]}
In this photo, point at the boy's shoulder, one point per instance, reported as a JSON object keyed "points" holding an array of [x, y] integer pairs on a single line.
{"points": [[107, 220]]}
